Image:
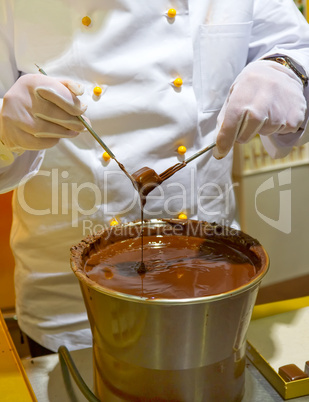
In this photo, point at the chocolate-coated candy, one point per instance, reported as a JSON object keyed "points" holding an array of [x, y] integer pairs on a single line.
{"points": [[291, 372]]}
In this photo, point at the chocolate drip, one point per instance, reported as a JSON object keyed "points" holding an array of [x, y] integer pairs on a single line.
{"points": [[145, 180]]}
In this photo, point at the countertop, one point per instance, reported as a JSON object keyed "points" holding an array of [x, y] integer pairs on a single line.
{"points": [[47, 381]]}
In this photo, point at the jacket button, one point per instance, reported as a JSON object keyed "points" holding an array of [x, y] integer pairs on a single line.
{"points": [[97, 91], [106, 156], [86, 21], [181, 150], [178, 82], [182, 216], [171, 13]]}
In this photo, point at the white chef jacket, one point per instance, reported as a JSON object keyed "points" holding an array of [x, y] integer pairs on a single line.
{"points": [[134, 52]]}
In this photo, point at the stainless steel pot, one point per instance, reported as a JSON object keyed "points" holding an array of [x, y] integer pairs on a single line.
{"points": [[168, 350]]}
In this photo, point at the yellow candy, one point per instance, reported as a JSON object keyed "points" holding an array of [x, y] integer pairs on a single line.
{"points": [[113, 222], [86, 21], [182, 216], [181, 149], [178, 82], [171, 13], [97, 91], [106, 156]]}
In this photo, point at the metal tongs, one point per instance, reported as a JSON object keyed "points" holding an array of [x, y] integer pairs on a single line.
{"points": [[163, 176]]}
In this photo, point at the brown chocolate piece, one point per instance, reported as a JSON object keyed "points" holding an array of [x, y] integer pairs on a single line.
{"points": [[291, 372], [307, 367], [146, 180]]}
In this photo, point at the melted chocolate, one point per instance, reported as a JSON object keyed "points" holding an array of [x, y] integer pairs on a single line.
{"points": [[182, 258], [177, 267]]}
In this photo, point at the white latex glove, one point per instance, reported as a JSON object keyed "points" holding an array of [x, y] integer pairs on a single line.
{"points": [[38, 110], [266, 98]]}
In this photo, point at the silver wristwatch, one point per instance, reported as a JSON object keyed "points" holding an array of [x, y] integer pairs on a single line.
{"points": [[287, 62]]}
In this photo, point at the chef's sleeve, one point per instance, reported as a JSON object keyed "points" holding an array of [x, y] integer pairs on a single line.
{"points": [[14, 169], [279, 28]]}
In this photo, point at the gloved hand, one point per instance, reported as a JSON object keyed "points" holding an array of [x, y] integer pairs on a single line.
{"points": [[38, 110], [266, 98]]}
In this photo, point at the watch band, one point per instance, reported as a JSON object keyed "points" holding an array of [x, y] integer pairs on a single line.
{"points": [[287, 62]]}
